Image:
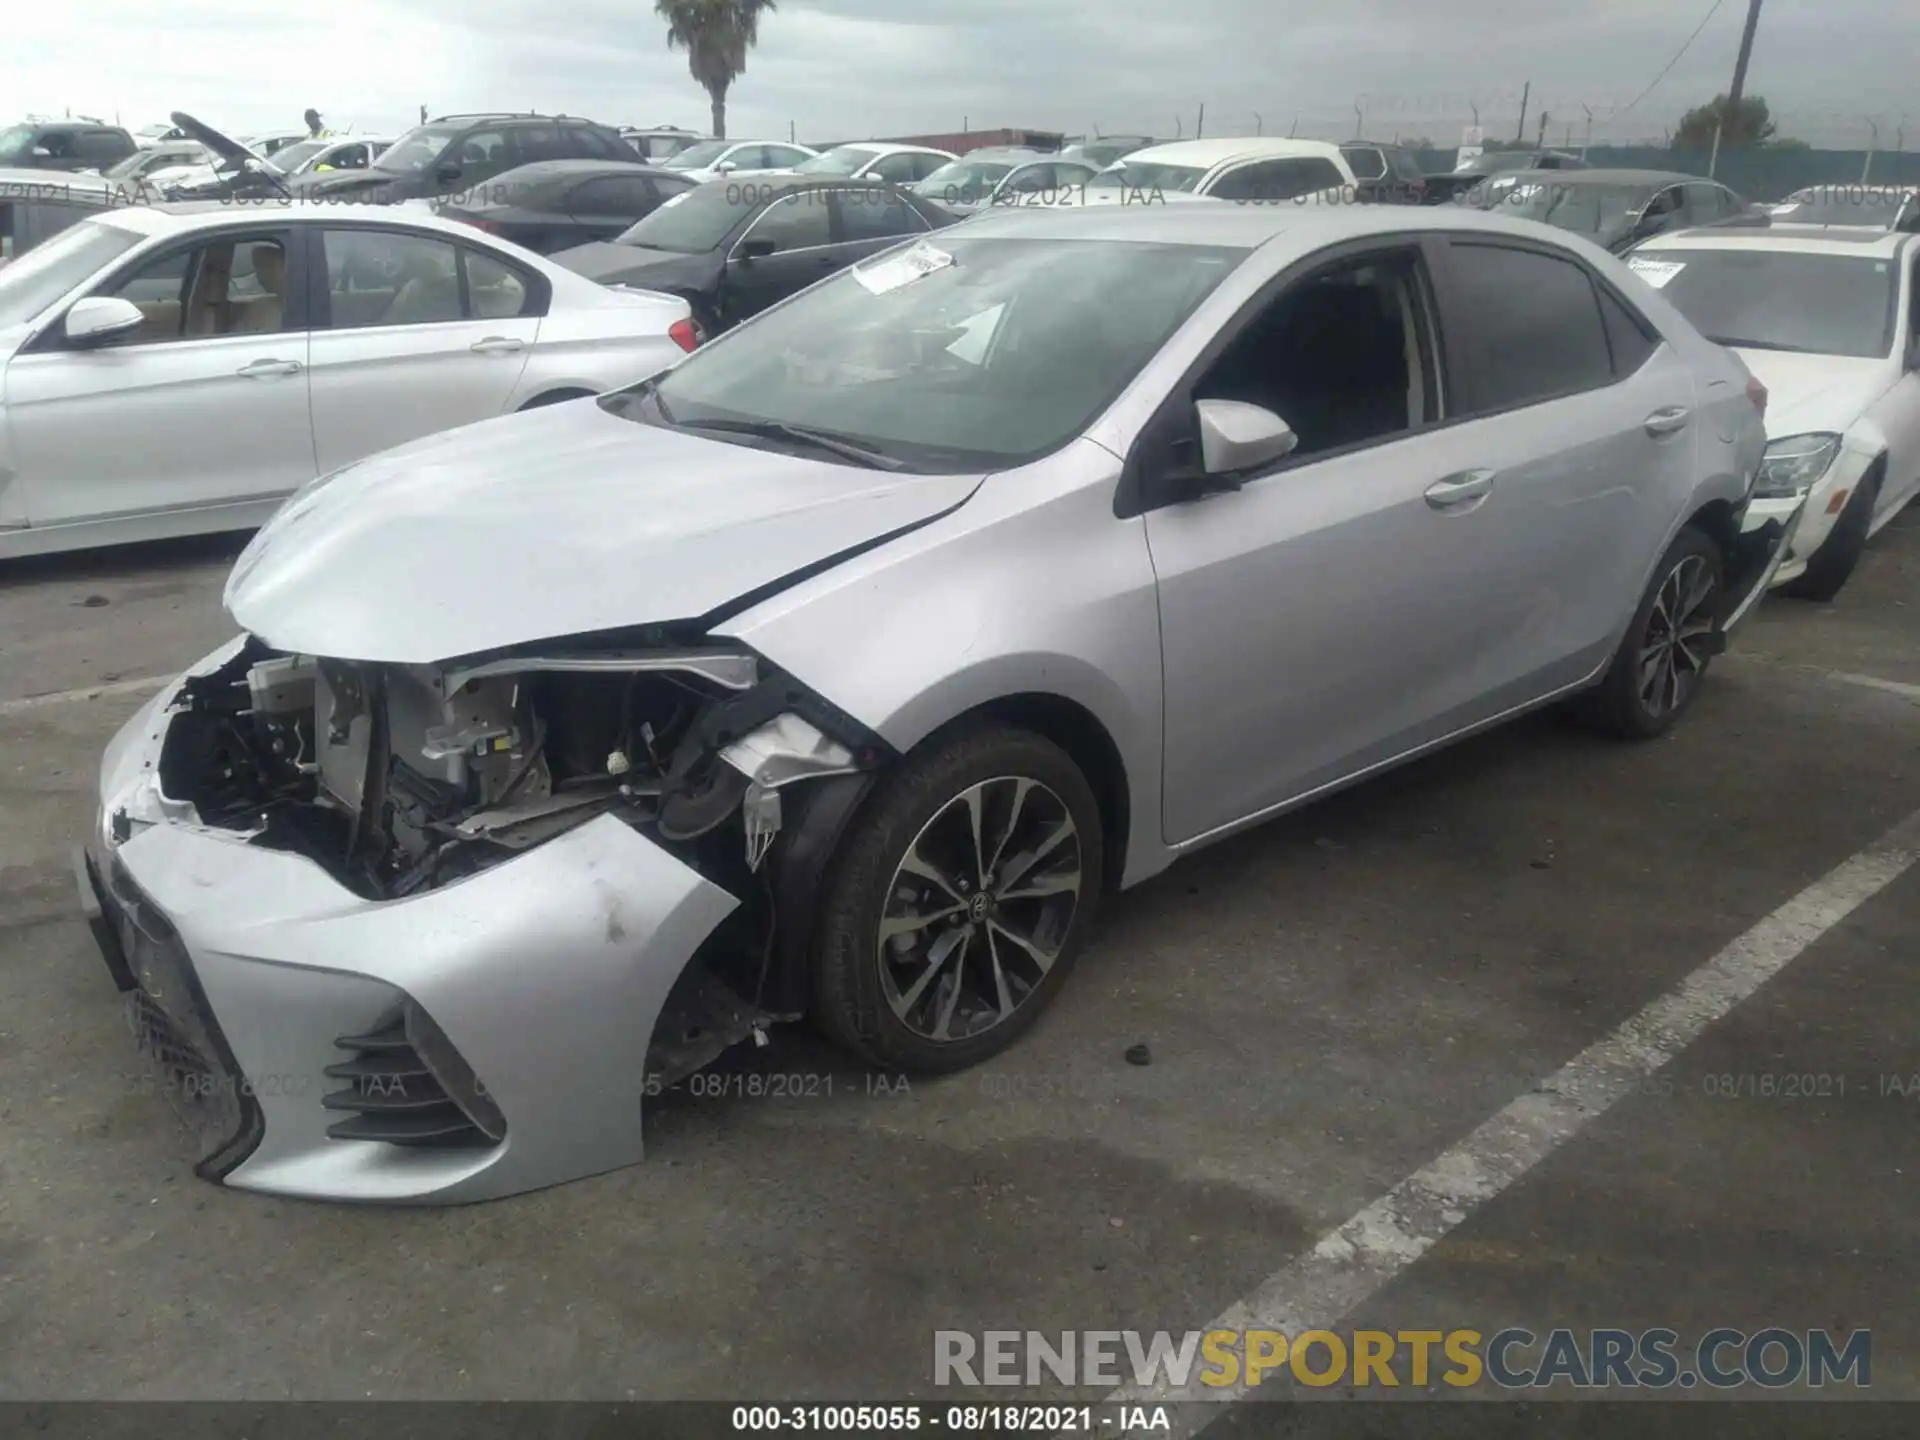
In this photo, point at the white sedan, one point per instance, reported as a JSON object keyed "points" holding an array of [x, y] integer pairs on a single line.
{"points": [[181, 369], [1829, 322]]}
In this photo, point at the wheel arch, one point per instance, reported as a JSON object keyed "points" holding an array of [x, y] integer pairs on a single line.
{"points": [[1086, 741], [557, 395]]}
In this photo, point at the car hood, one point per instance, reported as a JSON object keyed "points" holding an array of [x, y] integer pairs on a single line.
{"points": [[1814, 392], [1076, 195], [227, 148], [559, 521]]}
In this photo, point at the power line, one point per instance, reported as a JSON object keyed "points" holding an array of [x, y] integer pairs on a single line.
{"points": [[1675, 60]]}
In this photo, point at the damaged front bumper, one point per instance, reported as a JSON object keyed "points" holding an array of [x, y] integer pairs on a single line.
{"points": [[1765, 536], [490, 1035]]}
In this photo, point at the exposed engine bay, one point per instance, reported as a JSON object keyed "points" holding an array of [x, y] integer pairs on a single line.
{"points": [[401, 779]]}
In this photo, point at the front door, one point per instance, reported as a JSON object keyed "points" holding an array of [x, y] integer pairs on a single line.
{"points": [[1897, 414], [417, 334], [1317, 616], [204, 405], [799, 227]]}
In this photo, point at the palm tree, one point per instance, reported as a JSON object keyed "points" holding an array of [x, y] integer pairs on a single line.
{"points": [[717, 35]]}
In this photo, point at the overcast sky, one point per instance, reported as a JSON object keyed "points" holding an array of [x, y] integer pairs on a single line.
{"points": [[844, 69]]}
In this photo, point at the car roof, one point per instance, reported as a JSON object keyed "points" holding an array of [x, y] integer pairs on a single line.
{"points": [[1205, 154], [30, 185], [184, 217], [1014, 153], [887, 147], [1802, 239], [1246, 226], [1660, 178]]}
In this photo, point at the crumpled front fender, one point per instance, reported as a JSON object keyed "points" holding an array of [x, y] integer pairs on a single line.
{"points": [[547, 972]]}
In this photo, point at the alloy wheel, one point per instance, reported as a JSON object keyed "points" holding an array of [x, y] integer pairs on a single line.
{"points": [[1673, 650], [979, 908]]}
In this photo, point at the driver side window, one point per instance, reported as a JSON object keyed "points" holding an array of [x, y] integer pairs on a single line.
{"points": [[1341, 356]]}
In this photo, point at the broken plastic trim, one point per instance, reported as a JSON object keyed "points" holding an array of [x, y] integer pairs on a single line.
{"points": [[729, 669]]}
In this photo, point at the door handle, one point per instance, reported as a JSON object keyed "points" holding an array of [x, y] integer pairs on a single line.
{"points": [[498, 345], [1668, 421], [267, 369], [1459, 489]]}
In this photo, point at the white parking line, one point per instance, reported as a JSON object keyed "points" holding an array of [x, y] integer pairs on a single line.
{"points": [[1358, 1258], [90, 692], [1874, 682]]}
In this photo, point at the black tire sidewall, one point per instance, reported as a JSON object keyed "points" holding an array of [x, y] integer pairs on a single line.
{"points": [[1832, 565], [1629, 712], [849, 1003]]}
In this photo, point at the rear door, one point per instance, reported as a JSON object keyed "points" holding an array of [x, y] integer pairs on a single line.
{"points": [[413, 333], [204, 405], [1583, 424], [604, 206]]}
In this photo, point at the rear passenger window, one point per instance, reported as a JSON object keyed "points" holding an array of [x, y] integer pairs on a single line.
{"points": [[1630, 338], [495, 291], [1528, 323]]}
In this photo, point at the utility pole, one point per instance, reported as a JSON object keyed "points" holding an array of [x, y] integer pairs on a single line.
{"points": [[1520, 133], [1746, 54], [1200, 125], [1541, 142], [1259, 125], [1587, 143]]}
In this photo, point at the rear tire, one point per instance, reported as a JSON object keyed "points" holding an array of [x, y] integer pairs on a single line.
{"points": [[1831, 566], [934, 952], [1663, 658]]}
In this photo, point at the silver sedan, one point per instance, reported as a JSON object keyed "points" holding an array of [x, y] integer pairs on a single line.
{"points": [[181, 369], [841, 669]]}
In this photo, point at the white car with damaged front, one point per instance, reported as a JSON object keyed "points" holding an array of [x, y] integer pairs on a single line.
{"points": [[1829, 322], [182, 369]]}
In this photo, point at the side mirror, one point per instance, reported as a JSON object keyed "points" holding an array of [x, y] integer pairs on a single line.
{"points": [[1236, 438], [447, 171], [755, 249], [100, 318], [725, 167]]}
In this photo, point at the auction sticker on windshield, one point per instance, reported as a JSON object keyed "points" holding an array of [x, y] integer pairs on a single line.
{"points": [[903, 269], [1655, 272]]}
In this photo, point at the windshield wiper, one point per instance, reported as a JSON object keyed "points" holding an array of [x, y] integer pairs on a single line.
{"points": [[780, 430]]}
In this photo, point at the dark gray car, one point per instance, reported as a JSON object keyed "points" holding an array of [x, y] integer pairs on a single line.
{"points": [[1616, 208], [732, 248]]}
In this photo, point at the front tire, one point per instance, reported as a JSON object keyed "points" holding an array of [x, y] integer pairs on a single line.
{"points": [[1663, 658], [1832, 565], [958, 903]]}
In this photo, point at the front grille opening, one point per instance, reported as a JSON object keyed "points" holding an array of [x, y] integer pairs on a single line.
{"points": [[408, 1085], [156, 1036]]}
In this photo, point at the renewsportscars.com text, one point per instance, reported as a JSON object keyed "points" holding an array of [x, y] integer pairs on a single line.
{"points": [[1512, 1359]]}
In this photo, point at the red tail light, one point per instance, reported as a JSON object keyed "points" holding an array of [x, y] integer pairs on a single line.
{"points": [[1757, 393], [685, 334], [478, 224]]}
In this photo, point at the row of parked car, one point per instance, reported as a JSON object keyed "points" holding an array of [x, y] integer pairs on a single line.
{"points": [[729, 228]]}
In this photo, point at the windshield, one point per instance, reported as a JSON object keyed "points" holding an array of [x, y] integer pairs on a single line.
{"points": [[841, 160], [696, 220], [964, 179], [698, 157], [1583, 209], [294, 156], [15, 140], [966, 355], [1764, 299], [1145, 175], [55, 266], [1874, 206], [415, 150]]}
